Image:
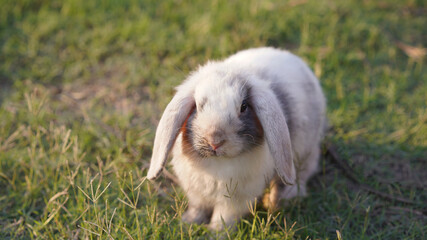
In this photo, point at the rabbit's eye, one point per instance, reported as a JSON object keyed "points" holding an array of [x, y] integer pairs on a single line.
{"points": [[244, 106]]}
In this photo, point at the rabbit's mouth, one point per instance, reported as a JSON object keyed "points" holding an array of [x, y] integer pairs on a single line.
{"points": [[207, 151], [204, 150]]}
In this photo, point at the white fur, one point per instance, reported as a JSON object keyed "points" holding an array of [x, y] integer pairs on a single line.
{"points": [[225, 183]]}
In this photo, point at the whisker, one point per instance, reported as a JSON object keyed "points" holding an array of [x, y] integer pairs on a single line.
{"points": [[253, 138]]}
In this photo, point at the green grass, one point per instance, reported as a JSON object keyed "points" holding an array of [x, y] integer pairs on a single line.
{"points": [[83, 84]]}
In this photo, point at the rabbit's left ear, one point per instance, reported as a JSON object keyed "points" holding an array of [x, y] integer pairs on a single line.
{"points": [[168, 129], [276, 131]]}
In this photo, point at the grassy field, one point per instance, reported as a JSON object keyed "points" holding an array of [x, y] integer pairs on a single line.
{"points": [[83, 85]]}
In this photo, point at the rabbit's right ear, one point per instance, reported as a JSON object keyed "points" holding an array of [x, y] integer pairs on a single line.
{"points": [[276, 131], [169, 127]]}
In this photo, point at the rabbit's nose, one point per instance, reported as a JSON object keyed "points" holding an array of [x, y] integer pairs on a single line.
{"points": [[215, 145], [216, 139]]}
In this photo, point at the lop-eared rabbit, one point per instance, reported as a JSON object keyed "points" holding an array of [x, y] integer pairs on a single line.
{"points": [[238, 126]]}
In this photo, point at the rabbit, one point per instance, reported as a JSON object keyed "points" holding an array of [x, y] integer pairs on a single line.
{"points": [[238, 127]]}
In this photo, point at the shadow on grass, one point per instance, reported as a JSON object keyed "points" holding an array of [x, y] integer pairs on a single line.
{"points": [[5, 88], [336, 203]]}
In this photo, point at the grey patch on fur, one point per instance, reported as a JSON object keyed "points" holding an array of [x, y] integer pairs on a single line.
{"points": [[286, 103], [288, 106], [202, 104], [251, 129], [315, 114], [309, 87]]}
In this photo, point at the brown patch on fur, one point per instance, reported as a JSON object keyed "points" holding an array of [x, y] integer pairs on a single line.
{"points": [[187, 147], [271, 198], [258, 124]]}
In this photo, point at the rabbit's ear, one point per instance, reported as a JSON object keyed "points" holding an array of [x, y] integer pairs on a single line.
{"points": [[169, 127], [276, 130]]}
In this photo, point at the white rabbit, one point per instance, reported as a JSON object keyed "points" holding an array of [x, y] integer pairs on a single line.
{"points": [[238, 125]]}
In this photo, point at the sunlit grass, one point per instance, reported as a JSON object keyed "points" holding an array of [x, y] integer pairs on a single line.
{"points": [[83, 84]]}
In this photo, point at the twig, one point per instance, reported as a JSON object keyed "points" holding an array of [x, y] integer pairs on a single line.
{"points": [[348, 171], [385, 195], [331, 151], [393, 209], [409, 210], [170, 176]]}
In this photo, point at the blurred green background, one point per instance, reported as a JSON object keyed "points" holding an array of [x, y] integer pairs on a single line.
{"points": [[83, 85]]}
